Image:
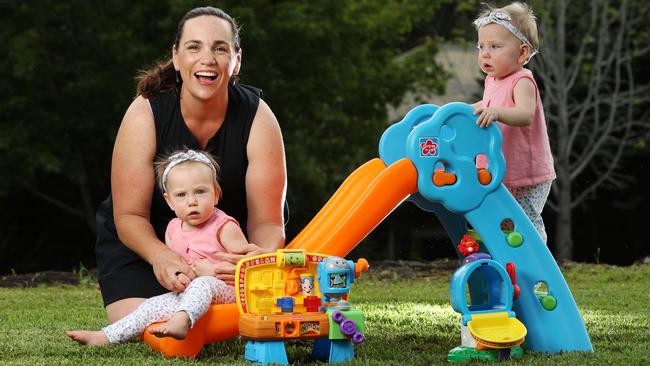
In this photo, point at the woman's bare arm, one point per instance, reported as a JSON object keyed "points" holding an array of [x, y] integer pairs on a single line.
{"points": [[132, 184], [266, 181]]}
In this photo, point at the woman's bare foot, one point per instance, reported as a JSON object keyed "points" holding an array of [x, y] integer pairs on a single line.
{"points": [[176, 327], [91, 337]]}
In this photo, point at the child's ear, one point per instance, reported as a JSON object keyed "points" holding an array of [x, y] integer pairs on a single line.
{"points": [[524, 52], [217, 194], [169, 201]]}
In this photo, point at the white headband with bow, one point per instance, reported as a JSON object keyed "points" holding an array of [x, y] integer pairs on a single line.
{"points": [[181, 157], [503, 19]]}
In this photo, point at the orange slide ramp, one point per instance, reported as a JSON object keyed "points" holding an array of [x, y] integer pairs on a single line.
{"points": [[364, 199]]}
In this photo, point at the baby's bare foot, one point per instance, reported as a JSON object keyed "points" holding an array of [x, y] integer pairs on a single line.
{"points": [[90, 337], [176, 327]]}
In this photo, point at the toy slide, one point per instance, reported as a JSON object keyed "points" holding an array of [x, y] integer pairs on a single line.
{"points": [[359, 205], [447, 139]]}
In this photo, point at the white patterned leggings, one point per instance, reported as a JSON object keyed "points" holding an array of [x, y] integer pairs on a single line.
{"points": [[532, 200], [195, 301]]}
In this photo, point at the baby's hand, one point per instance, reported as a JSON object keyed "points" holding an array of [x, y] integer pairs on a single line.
{"points": [[203, 267], [487, 115]]}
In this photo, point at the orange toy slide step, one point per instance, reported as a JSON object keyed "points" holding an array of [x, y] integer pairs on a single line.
{"points": [[221, 322], [359, 205]]}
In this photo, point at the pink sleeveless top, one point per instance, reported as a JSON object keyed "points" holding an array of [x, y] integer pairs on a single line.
{"points": [[526, 149], [200, 243]]}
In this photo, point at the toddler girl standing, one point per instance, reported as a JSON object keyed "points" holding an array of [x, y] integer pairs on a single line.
{"points": [[507, 40], [200, 231]]}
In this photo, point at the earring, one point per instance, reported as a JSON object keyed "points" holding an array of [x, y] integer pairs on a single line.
{"points": [[178, 79]]}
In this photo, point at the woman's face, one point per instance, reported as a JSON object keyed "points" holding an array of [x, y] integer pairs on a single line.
{"points": [[206, 57]]}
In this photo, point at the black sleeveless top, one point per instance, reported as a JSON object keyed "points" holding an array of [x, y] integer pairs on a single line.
{"points": [[122, 273], [228, 146]]}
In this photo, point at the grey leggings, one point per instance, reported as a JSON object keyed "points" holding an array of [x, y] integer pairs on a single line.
{"points": [[532, 200], [195, 300]]}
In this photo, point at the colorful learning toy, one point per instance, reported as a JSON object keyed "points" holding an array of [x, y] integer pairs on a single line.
{"points": [[278, 300], [429, 158]]}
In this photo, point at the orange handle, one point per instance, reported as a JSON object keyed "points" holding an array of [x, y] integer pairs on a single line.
{"points": [[484, 177], [292, 286], [361, 266], [441, 178]]}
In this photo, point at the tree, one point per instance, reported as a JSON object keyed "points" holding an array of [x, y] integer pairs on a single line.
{"points": [[328, 70], [68, 73], [68, 76], [593, 98]]}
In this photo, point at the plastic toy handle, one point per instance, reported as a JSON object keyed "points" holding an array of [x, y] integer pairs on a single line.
{"points": [[293, 281], [441, 178], [361, 266], [512, 273], [484, 177], [338, 316], [292, 287], [348, 327]]}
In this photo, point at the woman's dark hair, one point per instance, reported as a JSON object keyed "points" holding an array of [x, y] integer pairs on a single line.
{"points": [[162, 76]]}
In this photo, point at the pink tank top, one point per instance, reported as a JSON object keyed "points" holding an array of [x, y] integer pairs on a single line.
{"points": [[200, 243], [526, 149]]}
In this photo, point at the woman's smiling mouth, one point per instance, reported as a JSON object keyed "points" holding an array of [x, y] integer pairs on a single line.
{"points": [[206, 76]]}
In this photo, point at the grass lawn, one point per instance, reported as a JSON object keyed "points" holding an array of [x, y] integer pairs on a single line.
{"points": [[410, 322]]}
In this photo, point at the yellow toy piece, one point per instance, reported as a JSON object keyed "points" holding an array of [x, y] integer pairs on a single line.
{"points": [[496, 330]]}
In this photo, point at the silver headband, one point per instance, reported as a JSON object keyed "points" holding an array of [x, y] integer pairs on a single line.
{"points": [[503, 19], [181, 157]]}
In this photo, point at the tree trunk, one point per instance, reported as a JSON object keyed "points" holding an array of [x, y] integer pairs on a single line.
{"points": [[563, 221]]}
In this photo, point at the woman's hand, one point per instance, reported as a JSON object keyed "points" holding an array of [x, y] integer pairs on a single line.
{"points": [[245, 251], [171, 270], [226, 269]]}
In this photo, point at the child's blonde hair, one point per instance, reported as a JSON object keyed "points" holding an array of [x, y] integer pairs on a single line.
{"points": [[522, 18], [164, 164]]}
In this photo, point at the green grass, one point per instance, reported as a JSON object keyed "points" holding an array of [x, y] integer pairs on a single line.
{"points": [[410, 322]]}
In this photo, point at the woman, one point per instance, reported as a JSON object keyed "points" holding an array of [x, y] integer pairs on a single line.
{"points": [[191, 101]]}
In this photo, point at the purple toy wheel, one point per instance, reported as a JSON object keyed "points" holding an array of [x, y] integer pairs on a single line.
{"points": [[358, 338], [348, 327], [337, 316], [476, 257]]}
